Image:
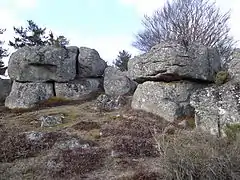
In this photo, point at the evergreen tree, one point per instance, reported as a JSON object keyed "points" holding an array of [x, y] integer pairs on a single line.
{"points": [[34, 35], [3, 53], [122, 60], [30, 36], [59, 41]]}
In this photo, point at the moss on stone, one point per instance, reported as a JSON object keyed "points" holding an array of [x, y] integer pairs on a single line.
{"points": [[221, 77]]}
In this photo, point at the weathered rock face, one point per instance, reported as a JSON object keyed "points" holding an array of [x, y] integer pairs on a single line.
{"points": [[90, 63], [234, 66], [116, 83], [169, 61], [217, 106], [79, 89], [26, 95], [5, 89], [168, 100], [42, 64]]}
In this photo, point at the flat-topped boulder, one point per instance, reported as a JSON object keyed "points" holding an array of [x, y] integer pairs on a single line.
{"points": [[27, 95], [90, 64], [43, 63], [171, 61]]}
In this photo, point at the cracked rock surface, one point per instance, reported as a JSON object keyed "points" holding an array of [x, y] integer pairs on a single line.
{"points": [[171, 61], [42, 64]]}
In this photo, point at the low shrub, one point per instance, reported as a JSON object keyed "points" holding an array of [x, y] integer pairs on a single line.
{"points": [[199, 156]]}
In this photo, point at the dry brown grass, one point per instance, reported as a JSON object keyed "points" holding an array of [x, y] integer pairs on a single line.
{"points": [[199, 156]]}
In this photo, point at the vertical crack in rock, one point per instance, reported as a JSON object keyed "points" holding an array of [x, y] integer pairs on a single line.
{"points": [[54, 89], [77, 64]]}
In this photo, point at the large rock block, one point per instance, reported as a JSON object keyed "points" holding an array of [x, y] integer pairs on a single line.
{"points": [[234, 66], [217, 106], [27, 95], [5, 89], [90, 63], [79, 89], [168, 100], [171, 61], [116, 83], [42, 64]]}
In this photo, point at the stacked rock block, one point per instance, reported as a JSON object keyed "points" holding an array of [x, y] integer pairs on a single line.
{"points": [[39, 73], [168, 75]]}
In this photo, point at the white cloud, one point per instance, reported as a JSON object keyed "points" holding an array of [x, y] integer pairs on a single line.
{"points": [[144, 6], [24, 4]]}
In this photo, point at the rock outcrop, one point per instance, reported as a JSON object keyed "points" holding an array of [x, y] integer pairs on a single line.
{"points": [[116, 83], [171, 61], [168, 100], [90, 63], [79, 89], [216, 107], [43, 72], [27, 95], [5, 89], [234, 66], [169, 74], [42, 64]]}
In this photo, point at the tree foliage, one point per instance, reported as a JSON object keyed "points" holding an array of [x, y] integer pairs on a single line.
{"points": [[34, 35], [59, 41], [184, 22], [3, 53], [122, 60]]}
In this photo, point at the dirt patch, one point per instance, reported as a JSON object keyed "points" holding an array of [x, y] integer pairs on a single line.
{"points": [[26, 145], [86, 125], [75, 162], [131, 127], [142, 175], [133, 147]]}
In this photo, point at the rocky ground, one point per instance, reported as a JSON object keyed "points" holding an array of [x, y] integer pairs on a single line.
{"points": [[89, 144]]}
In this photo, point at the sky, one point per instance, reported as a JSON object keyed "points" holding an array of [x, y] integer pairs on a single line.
{"points": [[108, 26]]}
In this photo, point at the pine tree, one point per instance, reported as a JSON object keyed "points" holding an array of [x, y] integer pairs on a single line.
{"points": [[3, 53], [122, 60], [33, 35], [30, 36], [59, 41]]}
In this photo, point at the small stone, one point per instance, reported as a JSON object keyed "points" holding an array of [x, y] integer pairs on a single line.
{"points": [[50, 121]]}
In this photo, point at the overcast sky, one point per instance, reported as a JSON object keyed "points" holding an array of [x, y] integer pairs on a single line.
{"points": [[105, 25]]}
